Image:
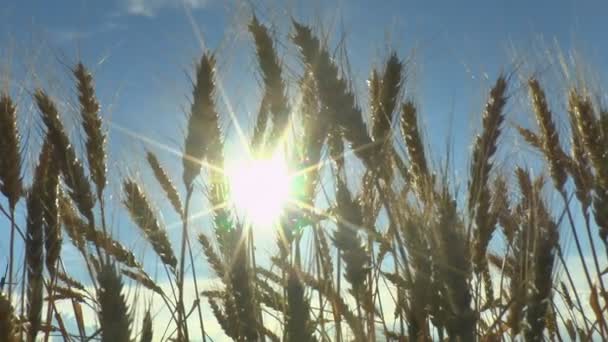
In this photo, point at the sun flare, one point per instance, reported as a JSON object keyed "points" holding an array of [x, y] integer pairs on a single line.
{"points": [[260, 188]]}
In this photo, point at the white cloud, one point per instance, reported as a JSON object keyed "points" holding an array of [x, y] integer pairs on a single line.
{"points": [[149, 8]]}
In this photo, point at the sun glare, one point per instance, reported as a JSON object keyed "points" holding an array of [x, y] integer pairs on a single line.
{"points": [[259, 188]]}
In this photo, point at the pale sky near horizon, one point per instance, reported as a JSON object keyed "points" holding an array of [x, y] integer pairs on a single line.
{"points": [[142, 51]]}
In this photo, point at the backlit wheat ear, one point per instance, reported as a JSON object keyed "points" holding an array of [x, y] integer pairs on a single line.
{"points": [[92, 125], [165, 182], [594, 143], [142, 278], [10, 165], [298, 326], [271, 72], [353, 253], [115, 323], [415, 147], [550, 137], [8, 320], [49, 195], [453, 267], [34, 243], [335, 94], [71, 168], [212, 257], [546, 239], [581, 168], [142, 214], [239, 276], [387, 96], [203, 138], [146, 329], [315, 133], [481, 166]]}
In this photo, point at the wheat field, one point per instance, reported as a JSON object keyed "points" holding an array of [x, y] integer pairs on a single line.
{"points": [[395, 252]]}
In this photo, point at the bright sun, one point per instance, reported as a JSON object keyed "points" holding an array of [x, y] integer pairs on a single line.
{"points": [[260, 188]]}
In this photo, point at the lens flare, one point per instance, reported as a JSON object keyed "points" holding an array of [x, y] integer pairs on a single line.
{"points": [[260, 188]]}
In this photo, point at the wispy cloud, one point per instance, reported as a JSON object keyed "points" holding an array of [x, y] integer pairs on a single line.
{"points": [[150, 8], [66, 35]]}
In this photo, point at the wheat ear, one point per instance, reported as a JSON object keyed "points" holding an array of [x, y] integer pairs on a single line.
{"points": [[143, 215], [114, 320], [481, 166], [271, 73], [71, 168], [95, 142]]}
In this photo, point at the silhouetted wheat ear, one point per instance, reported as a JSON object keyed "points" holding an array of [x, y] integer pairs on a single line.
{"points": [[546, 239], [335, 94], [387, 96], [34, 244], [314, 136], [142, 214], [49, 195], [353, 253], [239, 277], [298, 326], [550, 137], [146, 328], [203, 139], [114, 320], [274, 92], [220, 316], [92, 125], [71, 168], [212, 257], [165, 182], [481, 166], [10, 165], [8, 320], [453, 268]]}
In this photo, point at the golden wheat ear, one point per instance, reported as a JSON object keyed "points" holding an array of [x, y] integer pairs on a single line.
{"points": [[481, 165], [71, 168], [92, 125], [10, 165], [165, 182], [550, 137], [142, 214]]}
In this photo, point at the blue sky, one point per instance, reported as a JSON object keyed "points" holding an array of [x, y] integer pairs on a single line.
{"points": [[142, 51]]}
